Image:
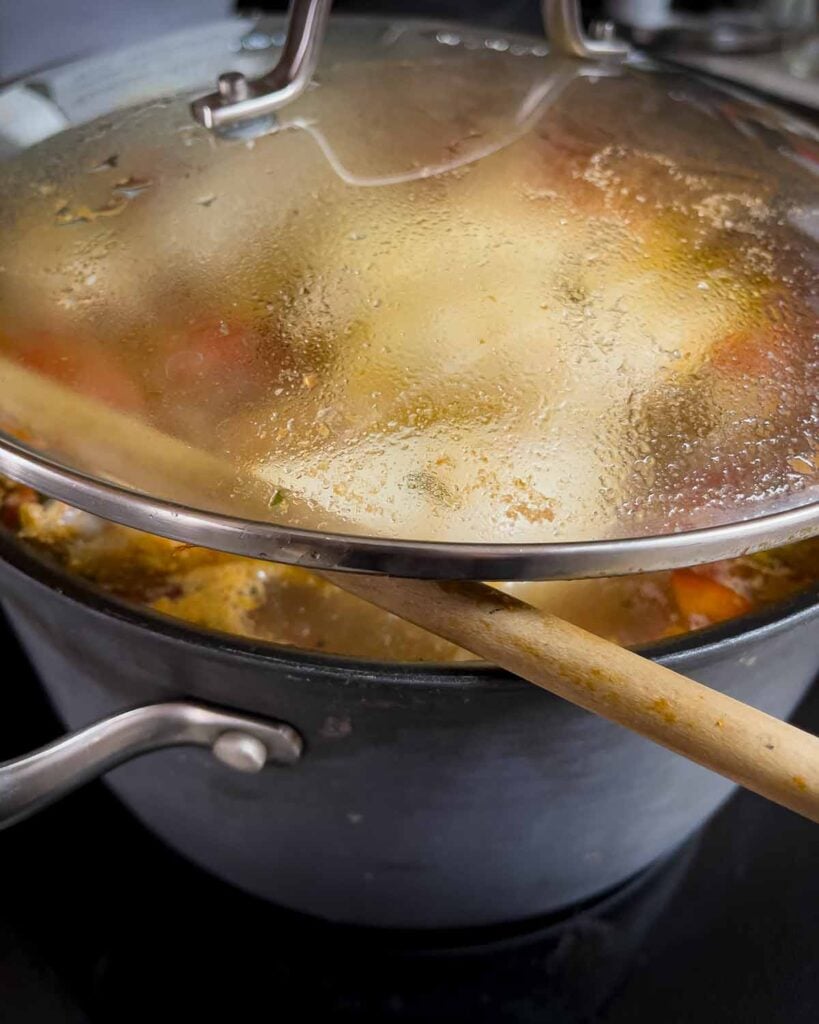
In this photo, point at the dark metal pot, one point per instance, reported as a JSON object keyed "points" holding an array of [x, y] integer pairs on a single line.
{"points": [[424, 797]]}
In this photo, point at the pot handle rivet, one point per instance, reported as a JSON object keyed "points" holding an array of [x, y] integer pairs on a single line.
{"points": [[240, 751]]}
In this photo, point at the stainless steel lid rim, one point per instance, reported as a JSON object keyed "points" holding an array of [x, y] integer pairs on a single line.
{"points": [[420, 559]]}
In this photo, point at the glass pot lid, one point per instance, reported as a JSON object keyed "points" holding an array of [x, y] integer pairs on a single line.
{"points": [[461, 309]]}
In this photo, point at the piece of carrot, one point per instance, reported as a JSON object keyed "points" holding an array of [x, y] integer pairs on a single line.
{"points": [[700, 597], [85, 367], [753, 353]]}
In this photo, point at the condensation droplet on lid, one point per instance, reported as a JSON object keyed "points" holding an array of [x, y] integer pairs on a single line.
{"points": [[67, 215], [105, 165], [800, 464], [181, 364], [131, 187], [188, 135], [256, 40]]}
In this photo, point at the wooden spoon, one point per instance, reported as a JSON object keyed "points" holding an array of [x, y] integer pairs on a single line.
{"points": [[760, 752], [757, 751]]}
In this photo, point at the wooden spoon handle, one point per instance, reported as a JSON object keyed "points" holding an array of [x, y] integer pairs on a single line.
{"points": [[762, 753], [98, 437]]}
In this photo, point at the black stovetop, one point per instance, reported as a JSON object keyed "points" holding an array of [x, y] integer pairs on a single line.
{"points": [[100, 923]]}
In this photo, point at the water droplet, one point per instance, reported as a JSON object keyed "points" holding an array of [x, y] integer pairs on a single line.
{"points": [[188, 135], [105, 165], [131, 187], [67, 214], [256, 40], [181, 364], [800, 464]]}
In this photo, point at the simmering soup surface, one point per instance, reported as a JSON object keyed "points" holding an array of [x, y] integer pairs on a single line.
{"points": [[288, 605]]}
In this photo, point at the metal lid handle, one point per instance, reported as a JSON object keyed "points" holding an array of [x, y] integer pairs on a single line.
{"points": [[564, 30], [238, 99]]}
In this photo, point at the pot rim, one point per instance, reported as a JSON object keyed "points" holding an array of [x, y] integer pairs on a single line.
{"points": [[49, 574]]}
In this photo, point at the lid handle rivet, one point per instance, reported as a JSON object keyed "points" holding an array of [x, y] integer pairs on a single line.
{"points": [[233, 86]]}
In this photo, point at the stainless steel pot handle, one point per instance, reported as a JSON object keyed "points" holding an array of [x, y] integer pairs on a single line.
{"points": [[245, 744]]}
